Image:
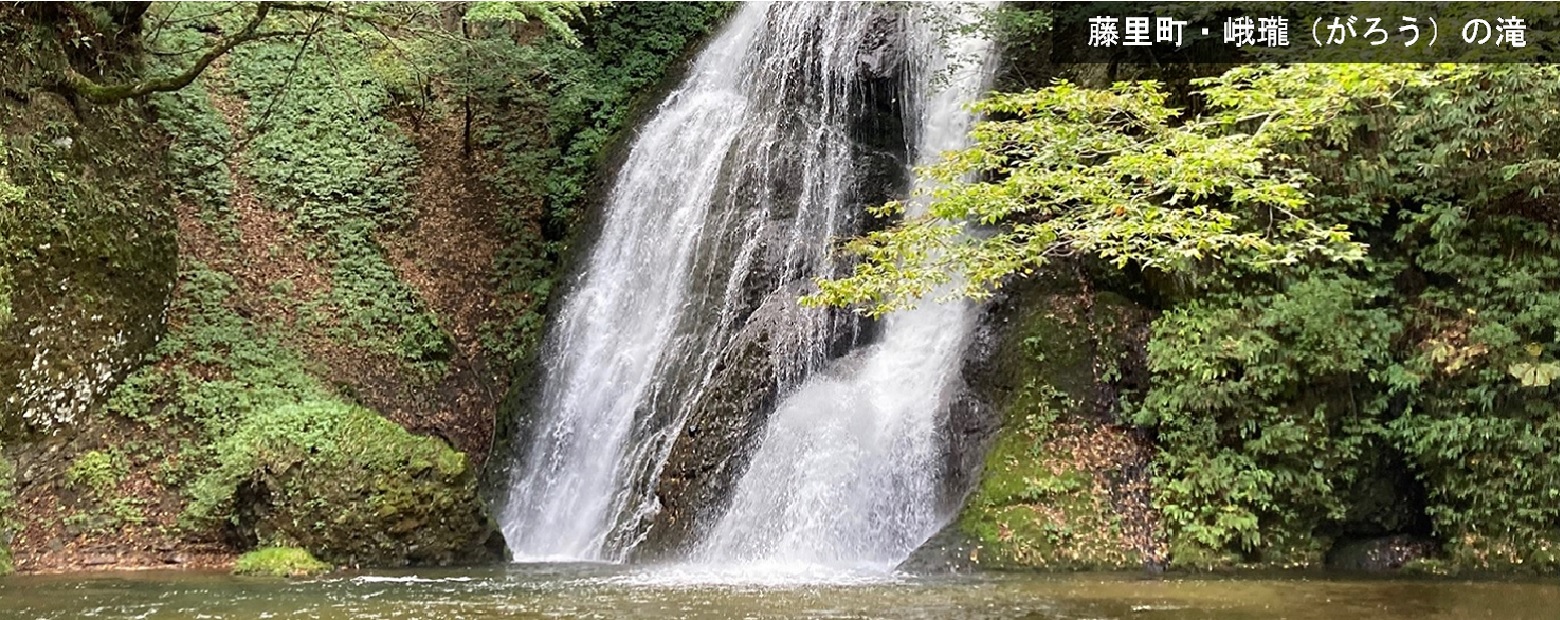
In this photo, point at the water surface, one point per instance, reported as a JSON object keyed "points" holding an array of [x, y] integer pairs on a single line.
{"points": [[569, 592]]}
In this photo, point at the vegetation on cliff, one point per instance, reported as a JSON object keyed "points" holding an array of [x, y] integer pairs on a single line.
{"points": [[7, 511], [268, 269], [1061, 486], [369, 204]]}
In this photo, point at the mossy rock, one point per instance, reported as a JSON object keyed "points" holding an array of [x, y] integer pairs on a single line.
{"points": [[1048, 499], [1064, 486], [279, 562], [347, 485], [87, 252]]}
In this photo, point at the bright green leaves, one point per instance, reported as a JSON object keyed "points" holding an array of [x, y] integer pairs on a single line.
{"points": [[554, 16], [1116, 174], [1294, 368]]}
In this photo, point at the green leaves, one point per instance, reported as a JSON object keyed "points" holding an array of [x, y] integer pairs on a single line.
{"points": [[554, 16], [1293, 362], [1115, 174]]}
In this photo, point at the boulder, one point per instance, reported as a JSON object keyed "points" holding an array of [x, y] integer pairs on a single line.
{"points": [[348, 486]]}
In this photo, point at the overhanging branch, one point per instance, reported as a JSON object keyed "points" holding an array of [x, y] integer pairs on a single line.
{"points": [[95, 92]]}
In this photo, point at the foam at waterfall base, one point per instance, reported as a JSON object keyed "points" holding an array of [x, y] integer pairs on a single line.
{"points": [[757, 575]]}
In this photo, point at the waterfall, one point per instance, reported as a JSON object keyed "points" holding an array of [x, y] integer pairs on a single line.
{"points": [[722, 212], [731, 191], [849, 468]]}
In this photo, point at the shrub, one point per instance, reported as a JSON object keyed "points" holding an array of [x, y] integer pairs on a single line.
{"points": [[279, 562]]}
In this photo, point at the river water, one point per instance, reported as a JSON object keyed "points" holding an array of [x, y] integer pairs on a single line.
{"points": [[580, 591]]}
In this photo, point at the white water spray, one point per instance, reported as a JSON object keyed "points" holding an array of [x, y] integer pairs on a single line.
{"points": [[737, 184]]}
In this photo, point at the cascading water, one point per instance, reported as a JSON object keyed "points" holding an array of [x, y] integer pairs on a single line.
{"points": [[849, 469], [731, 192]]}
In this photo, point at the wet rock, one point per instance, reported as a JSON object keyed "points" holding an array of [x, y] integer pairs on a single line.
{"points": [[950, 550], [712, 450], [774, 343], [85, 307], [1054, 475]]}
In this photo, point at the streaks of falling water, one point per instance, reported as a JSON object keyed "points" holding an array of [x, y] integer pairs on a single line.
{"points": [[736, 184], [848, 472]]}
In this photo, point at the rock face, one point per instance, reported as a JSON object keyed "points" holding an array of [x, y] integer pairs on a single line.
{"points": [[86, 246], [86, 253], [728, 419], [1064, 481]]}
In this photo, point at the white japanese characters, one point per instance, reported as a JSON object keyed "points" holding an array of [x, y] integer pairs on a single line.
{"points": [[1273, 31]]}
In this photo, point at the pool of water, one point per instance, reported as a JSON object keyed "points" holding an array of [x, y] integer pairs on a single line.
{"points": [[569, 592]]}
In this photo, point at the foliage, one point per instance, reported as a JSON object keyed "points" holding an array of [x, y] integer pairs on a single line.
{"points": [[6, 314], [1479, 227], [324, 150], [586, 93], [1259, 430], [344, 483], [197, 164], [279, 562], [216, 369], [97, 472], [9, 195], [1114, 174], [98, 475], [1431, 351], [554, 16], [1357, 266], [308, 124]]}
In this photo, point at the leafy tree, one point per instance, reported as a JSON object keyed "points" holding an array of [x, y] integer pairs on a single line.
{"points": [[1118, 175]]}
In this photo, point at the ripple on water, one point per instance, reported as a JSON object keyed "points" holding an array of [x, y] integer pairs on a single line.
{"points": [[760, 592]]}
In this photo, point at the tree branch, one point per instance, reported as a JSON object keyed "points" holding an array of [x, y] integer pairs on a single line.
{"points": [[100, 93]]}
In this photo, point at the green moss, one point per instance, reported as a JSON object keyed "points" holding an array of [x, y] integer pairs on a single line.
{"points": [[1042, 501], [279, 562], [344, 483], [586, 96], [5, 285], [1036, 508]]}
